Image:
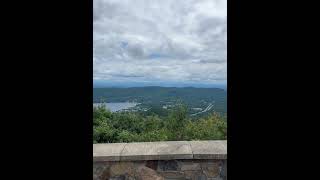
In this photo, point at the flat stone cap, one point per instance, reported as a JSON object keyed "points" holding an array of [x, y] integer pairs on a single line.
{"points": [[163, 150], [209, 149], [107, 152]]}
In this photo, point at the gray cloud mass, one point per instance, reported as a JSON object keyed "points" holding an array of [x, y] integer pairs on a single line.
{"points": [[160, 40]]}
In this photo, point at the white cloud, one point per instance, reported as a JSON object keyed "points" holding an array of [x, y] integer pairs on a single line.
{"points": [[160, 40]]}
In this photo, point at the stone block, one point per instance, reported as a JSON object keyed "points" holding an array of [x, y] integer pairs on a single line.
{"points": [[189, 174], [122, 168], [157, 151], [172, 174], [145, 173], [121, 177], [171, 165], [101, 171], [152, 164], [189, 166], [200, 177], [107, 152], [209, 149], [211, 170]]}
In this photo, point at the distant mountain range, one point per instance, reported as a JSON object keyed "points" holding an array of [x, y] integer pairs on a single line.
{"points": [[104, 84]]}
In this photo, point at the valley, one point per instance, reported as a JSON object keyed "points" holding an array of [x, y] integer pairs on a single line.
{"points": [[159, 100]]}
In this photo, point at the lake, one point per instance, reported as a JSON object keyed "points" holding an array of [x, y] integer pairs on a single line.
{"points": [[113, 107]]}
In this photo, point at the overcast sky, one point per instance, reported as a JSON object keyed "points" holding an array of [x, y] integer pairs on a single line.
{"points": [[160, 41]]}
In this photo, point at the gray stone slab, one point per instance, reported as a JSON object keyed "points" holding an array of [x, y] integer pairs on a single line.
{"points": [[209, 149], [107, 152], [157, 151], [166, 150]]}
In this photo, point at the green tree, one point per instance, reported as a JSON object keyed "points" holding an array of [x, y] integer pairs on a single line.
{"points": [[127, 136], [213, 127], [176, 122]]}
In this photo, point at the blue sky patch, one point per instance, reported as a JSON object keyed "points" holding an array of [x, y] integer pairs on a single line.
{"points": [[124, 44]]}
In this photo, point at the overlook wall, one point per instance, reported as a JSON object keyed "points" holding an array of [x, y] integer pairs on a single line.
{"points": [[168, 160]]}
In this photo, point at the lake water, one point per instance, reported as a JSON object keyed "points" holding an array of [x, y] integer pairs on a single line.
{"points": [[113, 107]]}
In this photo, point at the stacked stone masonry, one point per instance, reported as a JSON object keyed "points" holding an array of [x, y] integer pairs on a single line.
{"points": [[174, 160]]}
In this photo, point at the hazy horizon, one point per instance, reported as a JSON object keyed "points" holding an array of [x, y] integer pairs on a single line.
{"points": [[102, 84]]}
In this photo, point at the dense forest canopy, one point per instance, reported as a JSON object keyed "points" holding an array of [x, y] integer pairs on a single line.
{"points": [[109, 127]]}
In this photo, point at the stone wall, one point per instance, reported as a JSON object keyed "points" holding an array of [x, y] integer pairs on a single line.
{"points": [[194, 160]]}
